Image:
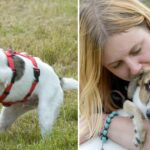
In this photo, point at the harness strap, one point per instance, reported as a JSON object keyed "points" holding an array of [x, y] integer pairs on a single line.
{"points": [[9, 86], [36, 72], [35, 68]]}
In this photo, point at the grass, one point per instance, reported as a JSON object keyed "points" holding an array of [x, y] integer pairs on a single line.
{"points": [[47, 29], [147, 2]]}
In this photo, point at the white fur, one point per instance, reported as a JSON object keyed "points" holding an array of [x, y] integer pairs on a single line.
{"points": [[47, 96], [69, 83], [138, 102]]}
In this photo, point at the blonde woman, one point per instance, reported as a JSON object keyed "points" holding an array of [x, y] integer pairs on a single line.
{"points": [[114, 47]]}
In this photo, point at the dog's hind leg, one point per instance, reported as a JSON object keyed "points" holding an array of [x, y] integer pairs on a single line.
{"points": [[48, 108], [9, 114]]}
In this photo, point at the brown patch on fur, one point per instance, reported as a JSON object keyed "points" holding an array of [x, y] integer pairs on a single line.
{"points": [[145, 80], [142, 80]]}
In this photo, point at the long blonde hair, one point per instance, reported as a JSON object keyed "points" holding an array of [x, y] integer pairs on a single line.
{"points": [[100, 19]]}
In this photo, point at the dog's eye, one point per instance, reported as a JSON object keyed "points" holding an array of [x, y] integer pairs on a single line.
{"points": [[147, 86]]}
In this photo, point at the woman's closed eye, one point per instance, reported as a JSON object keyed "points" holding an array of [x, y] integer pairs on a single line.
{"points": [[116, 64], [135, 52]]}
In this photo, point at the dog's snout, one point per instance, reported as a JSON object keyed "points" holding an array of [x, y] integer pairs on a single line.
{"points": [[148, 113]]}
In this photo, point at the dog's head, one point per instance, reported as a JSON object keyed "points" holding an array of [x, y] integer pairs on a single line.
{"points": [[143, 82]]}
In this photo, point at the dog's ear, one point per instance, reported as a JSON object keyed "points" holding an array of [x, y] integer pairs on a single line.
{"points": [[133, 85], [146, 70]]}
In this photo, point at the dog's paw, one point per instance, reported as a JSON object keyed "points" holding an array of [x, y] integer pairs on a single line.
{"points": [[139, 137]]}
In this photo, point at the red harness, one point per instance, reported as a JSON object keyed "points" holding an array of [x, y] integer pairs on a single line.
{"points": [[36, 71]]}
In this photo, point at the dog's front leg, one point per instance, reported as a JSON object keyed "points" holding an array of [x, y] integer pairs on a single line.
{"points": [[136, 115]]}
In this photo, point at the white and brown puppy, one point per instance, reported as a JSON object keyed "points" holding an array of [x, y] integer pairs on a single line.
{"points": [[139, 92], [139, 108], [47, 95]]}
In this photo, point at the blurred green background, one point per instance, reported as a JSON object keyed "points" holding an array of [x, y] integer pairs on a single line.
{"points": [[46, 29], [147, 2]]}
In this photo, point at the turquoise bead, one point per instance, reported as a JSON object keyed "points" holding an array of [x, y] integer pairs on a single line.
{"points": [[111, 115], [115, 113], [104, 139], [108, 120], [106, 126], [105, 132]]}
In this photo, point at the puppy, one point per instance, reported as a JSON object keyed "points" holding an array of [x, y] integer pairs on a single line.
{"points": [[27, 82], [139, 108], [139, 92]]}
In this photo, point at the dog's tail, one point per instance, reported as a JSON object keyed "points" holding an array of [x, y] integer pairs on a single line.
{"points": [[68, 83]]}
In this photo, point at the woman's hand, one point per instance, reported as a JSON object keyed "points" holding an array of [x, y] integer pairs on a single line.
{"points": [[121, 131]]}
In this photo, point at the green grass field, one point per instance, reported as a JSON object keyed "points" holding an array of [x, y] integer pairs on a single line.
{"points": [[47, 29], [147, 2]]}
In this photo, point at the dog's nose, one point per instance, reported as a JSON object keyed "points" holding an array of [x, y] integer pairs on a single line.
{"points": [[148, 113]]}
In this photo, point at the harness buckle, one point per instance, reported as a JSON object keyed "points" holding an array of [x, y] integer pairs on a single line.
{"points": [[36, 74], [10, 53]]}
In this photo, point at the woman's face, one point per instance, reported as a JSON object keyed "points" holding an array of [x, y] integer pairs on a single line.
{"points": [[125, 54]]}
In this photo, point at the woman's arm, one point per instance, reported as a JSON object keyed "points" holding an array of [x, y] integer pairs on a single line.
{"points": [[121, 131]]}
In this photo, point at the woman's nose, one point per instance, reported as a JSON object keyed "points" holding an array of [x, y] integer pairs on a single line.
{"points": [[134, 68]]}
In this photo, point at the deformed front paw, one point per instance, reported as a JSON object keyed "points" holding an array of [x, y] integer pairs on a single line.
{"points": [[139, 137]]}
